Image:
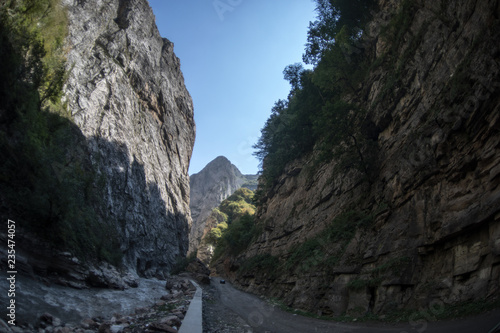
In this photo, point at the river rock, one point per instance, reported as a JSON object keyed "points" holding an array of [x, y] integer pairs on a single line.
{"points": [[167, 297], [105, 277], [47, 321], [170, 320], [89, 323], [179, 314], [117, 328], [140, 310], [160, 327], [105, 328]]}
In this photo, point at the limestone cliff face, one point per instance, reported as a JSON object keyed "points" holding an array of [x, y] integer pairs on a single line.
{"points": [[434, 199], [217, 181], [127, 95]]}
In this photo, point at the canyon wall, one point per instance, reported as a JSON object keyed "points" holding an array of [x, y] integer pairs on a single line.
{"points": [[423, 227], [126, 93]]}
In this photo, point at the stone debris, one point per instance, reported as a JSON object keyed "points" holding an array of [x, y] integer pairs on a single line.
{"points": [[165, 315]]}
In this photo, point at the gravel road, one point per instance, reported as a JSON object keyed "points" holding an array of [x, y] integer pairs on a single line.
{"points": [[227, 309]]}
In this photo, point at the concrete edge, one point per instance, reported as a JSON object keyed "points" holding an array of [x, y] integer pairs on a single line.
{"points": [[193, 321]]}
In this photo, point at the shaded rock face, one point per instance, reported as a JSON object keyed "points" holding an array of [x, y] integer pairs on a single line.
{"points": [[127, 95], [199, 271], [217, 181], [434, 199]]}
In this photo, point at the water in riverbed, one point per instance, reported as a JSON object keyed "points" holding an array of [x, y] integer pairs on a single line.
{"points": [[33, 298]]}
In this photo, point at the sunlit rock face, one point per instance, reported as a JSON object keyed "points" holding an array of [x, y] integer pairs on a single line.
{"points": [[126, 93]]}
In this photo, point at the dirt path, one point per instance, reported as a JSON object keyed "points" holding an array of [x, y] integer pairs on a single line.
{"points": [[231, 310]]}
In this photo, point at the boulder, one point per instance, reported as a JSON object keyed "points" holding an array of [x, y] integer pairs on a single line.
{"points": [[200, 272]]}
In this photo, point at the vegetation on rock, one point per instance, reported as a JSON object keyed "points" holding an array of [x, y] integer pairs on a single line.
{"points": [[46, 177], [236, 224], [317, 114]]}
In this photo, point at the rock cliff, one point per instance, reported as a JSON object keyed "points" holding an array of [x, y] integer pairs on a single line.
{"points": [[126, 93], [423, 230], [217, 181]]}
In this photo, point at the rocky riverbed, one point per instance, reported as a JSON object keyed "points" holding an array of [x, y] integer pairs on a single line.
{"points": [[154, 306]]}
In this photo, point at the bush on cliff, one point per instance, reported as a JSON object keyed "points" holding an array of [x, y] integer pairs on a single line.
{"points": [[237, 237], [233, 235]]}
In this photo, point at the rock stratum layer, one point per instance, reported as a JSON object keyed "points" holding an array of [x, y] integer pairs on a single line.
{"points": [[432, 233], [126, 93]]}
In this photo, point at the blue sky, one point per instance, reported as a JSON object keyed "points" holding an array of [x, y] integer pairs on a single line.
{"points": [[232, 54]]}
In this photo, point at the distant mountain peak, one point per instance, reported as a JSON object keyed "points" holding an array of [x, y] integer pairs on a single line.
{"points": [[219, 159], [209, 187], [217, 163]]}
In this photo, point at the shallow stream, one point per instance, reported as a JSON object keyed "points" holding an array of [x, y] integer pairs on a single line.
{"points": [[33, 298]]}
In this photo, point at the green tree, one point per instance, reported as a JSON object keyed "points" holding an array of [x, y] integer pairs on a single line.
{"points": [[218, 216], [222, 226], [341, 137], [315, 114], [237, 237], [239, 203], [214, 235], [333, 17], [288, 133], [292, 73]]}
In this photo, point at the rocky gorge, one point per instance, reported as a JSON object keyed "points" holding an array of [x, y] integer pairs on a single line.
{"points": [[416, 228], [420, 228]]}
